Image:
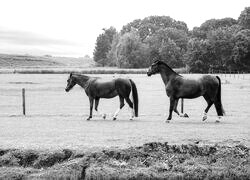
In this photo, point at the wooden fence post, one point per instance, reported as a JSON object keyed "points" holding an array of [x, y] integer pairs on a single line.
{"points": [[23, 98]]}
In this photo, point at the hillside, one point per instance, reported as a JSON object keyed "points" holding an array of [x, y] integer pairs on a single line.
{"points": [[29, 61]]}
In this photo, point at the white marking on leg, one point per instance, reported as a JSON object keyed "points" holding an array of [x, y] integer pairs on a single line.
{"points": [[132, 114], [181, 115], [116, 113], [103, 115], [204, 116], [219, 119]]}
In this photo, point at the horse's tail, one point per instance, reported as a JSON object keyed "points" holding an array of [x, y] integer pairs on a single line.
{"points": [[218, 103], [135, 97]]}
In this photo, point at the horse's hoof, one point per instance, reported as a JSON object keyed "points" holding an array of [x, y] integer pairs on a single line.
{"points": [[114, 118], [185, 115], [104, 116], [217, 121], [167, 121], [89, 118], [131, 119], [204, 118]]}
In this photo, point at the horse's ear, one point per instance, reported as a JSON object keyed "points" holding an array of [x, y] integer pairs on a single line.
{"points": [[155, 61], [70, 75]]}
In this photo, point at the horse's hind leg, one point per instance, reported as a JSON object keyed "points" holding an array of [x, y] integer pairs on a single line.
{"points": [[209, 104], [131, 106], [121, 106], [219, 110], [96, 108]]}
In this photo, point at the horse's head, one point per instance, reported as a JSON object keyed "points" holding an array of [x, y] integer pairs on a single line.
{"points": [[154, 68], [70, 83]]}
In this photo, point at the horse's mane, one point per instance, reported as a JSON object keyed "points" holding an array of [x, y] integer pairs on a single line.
{"points": [[82, 76], [159, 62]]}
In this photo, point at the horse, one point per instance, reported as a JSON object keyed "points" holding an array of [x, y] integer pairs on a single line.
{"points": [[96, 88], [178, 87]]}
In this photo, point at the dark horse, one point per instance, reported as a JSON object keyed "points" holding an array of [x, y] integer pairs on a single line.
{"points": [[97, 88], [179, 87]]}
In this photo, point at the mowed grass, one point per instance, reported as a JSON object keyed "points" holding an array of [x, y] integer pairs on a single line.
{"points": [[54, 140], [56, 119]]}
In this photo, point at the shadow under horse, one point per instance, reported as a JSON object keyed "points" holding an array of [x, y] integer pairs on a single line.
{"points": [[178, 87], [96, 88]]}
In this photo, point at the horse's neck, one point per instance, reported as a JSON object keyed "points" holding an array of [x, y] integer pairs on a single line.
{"points": [[83, 82], [166, 75]]}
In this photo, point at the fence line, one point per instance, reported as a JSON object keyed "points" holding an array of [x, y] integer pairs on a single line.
{"points": [[23, 99], [231, 74], [24, 104]]}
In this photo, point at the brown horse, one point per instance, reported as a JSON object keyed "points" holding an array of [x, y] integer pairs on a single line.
{"points": [[97, 88], [179, 87]]}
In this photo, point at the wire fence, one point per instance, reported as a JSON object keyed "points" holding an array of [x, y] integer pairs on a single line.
{"points": [[45, 95], [244, 75]]}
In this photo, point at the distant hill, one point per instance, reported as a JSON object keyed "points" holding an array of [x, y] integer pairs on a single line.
{"points": [[29, 61]]}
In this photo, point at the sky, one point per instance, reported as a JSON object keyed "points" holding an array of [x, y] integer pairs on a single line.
{"points": [[70, 27]]}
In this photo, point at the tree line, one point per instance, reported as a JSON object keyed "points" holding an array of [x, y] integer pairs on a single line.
{"points": [[221, 44]]}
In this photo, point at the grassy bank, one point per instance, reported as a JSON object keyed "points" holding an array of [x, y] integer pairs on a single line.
{"points": [[150, 161], [13, 61], [75, 70]]}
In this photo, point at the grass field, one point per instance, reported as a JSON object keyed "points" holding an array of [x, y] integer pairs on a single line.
{"points": [[56, 120], [12, 61]]}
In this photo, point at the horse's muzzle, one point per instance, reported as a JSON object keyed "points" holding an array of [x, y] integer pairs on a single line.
{"points": [[149, 73], [67, 90]]}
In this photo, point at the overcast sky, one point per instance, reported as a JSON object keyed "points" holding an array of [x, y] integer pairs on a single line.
{"points": [[70, 27]]}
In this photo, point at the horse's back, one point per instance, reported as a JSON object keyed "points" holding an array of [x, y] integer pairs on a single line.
{"points": [[104, 82], [192, 87], [200, 79]]}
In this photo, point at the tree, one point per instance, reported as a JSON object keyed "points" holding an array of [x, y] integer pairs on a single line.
{"points": [[112, 54], [149, 25], [241, 50], [131, 52], [222, 43], [199, 56], [103, 46], [211, 25], [169, 44], [244, 18], [171, 53]]}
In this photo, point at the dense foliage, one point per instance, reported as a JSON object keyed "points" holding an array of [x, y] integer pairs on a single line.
{"points": [[221, 44]]}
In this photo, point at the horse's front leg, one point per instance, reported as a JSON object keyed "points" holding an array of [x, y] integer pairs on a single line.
{"points": [[177, 112], [91, 102], [171, 108], [175, 107]]}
